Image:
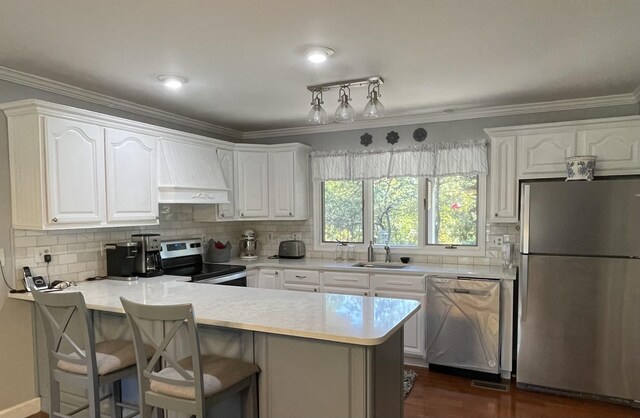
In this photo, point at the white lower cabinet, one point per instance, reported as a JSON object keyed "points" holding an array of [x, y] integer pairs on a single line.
{"points": [[252, 278], [270, 279], [406, 287], [346, 291], [301, 280]]}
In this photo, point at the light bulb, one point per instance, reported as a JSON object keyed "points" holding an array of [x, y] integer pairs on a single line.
{"points": [[344, 112], [172, 82], [317, 115], [374, 109]]}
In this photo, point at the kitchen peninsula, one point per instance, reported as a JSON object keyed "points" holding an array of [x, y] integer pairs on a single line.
{"points": [[319, 354]]}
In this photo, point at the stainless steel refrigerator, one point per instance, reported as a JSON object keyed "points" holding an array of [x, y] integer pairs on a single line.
{"points": [[579, 290]]}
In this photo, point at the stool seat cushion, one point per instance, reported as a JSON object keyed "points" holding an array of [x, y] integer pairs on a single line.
{"points": [[111, 356], [219, 373]]}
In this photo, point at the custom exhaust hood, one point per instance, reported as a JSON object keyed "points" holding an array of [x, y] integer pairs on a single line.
{"points": [[190, 173]]}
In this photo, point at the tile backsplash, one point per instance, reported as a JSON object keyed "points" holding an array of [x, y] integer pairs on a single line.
{"points": [[79, 254]]}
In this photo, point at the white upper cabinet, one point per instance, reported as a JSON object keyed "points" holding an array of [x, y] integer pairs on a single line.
{"points": [[252, 178], [617, 147], [132, 177], [267, 182], [227, 210], [503, 201], [76, 169], [75, 172], [282, 181], [545, 154], [541, 152]]}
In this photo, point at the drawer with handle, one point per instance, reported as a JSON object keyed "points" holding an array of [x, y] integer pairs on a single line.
{"points": [[342, 279], [301, 277], [402, 283]]}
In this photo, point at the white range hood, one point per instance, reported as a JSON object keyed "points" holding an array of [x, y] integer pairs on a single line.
{"points": [[190, 173]]}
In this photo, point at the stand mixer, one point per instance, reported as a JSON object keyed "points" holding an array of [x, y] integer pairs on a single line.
{"points": [[249, 245]]}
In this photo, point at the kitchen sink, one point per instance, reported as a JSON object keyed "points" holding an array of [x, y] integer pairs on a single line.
{"points": [[379, 265]]}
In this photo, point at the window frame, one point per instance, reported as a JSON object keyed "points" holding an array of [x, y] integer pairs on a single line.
{"points": [[422, 247]]}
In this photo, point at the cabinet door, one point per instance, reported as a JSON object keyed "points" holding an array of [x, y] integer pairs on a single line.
{"points": [[75, 172], [414, 328], [132, 179], [544, 154], [617, 149], [253, 184], [282, 180], [503, 204], [346, 291], [300, 287], [227, 210], [270, 279], [252, 278]]}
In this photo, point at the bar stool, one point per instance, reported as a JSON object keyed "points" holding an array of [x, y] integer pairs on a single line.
{"points": [[85, 365], [192, 384]]}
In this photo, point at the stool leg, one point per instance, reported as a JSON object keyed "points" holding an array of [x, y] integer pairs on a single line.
{"points": [[251, 403], [54, 396], [93, 395], [116, 398]]}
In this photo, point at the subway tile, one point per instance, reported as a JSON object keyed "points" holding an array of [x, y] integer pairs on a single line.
{"points": [[87, 256], [35, 233], [27, 241], [68, 239], [19, 233], [449, 260], [47, 240], [76, 268], [74, 248], [66, 259]]}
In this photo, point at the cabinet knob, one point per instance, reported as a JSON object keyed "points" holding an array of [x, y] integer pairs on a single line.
{"points": [[222, 215], [276, 273], [290, 213], [495, 214], [366, 293], [241, 213], [157, 218], [315, 289], [54, 220], [375, 294]]}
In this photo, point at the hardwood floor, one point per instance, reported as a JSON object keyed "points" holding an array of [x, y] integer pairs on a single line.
{"points": [[439, 395]]}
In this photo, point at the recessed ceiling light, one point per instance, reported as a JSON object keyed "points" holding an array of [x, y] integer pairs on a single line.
{"points": [[318, 54], [172, 82]]}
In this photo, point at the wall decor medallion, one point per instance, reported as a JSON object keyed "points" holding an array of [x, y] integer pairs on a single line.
{"points": [[392, 137], [366, 139], [420, 134]]}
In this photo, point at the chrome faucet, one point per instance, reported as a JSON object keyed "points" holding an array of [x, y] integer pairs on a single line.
{"points": [[387, 256]]}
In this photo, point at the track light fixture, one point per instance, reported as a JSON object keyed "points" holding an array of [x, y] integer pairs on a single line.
{"points": [[345, 112]]}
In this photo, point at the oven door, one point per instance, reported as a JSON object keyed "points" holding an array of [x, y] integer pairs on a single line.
{"points": [[235, 279]]}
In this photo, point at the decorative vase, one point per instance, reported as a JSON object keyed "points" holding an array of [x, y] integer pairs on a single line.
{"points": [[581, 167]]}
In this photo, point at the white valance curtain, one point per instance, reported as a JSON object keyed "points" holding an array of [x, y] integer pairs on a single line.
{"points": [[431, 160]]}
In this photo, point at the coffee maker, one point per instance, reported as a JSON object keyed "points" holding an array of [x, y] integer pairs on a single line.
{"points": [[120, 260], [147, 262]]}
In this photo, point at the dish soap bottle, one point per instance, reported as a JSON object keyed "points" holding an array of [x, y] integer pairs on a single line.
{"points": [[370, 255]]}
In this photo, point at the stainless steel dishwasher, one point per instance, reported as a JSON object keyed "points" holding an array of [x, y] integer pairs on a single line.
{"points": [[463, 326]]}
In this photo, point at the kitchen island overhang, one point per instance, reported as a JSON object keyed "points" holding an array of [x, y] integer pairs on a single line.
{"points": [[320, 354]]}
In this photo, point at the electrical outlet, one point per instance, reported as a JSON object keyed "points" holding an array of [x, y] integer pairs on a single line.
{"points": [[496, 241], [2, 257], [269, 236], [296, 235], [39, 253]]}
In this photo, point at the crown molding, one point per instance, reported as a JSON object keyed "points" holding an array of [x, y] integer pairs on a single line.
{"points": [[67, 90], [461, 114], [636, 93], [41, 83]]}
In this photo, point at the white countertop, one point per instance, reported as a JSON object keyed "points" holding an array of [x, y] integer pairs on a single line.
{"points": [[340, 318], [491, 272]]}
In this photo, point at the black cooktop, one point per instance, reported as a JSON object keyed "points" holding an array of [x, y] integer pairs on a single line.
{"points": [[192, 266]]}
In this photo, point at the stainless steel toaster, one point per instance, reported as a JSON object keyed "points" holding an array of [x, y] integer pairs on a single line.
{"points": [[291, 249]]}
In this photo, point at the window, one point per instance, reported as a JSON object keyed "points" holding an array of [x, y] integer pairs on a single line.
{"points": [[452, 211], [441, 215], [342, 211], [395, 211]]}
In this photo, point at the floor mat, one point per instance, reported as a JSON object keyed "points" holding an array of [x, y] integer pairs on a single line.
{"points": [[409, 378]]}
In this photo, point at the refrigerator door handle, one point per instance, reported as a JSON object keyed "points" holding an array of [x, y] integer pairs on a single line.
{"points": [[524, 287], [524, 217]]}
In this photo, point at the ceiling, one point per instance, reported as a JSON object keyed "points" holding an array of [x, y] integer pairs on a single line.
{"points": [[246, 66]]}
